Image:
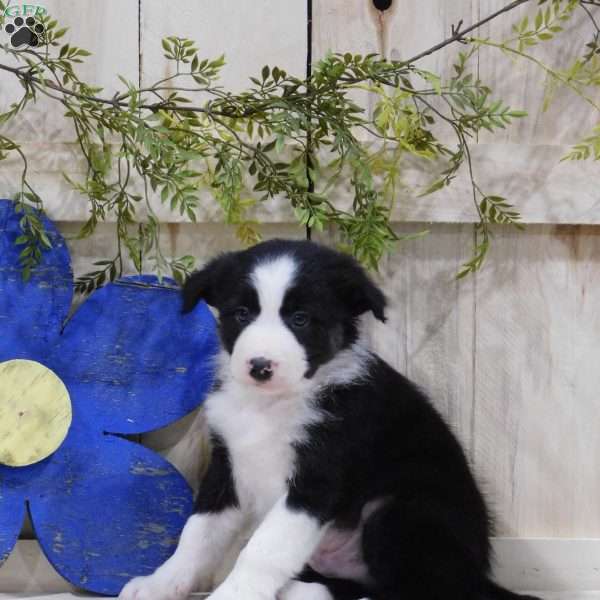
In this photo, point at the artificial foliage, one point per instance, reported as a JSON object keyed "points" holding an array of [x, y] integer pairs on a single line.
{"points": [[287, 137]]}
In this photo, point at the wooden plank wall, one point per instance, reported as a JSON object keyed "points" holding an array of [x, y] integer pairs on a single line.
{"points": [[510, 355]]}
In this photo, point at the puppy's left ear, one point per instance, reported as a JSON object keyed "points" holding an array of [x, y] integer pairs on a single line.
{"points": [[209, 283], [358, 291], [368, 297]]}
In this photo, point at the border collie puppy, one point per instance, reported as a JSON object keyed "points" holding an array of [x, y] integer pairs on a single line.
{"points": [[347, 481]]}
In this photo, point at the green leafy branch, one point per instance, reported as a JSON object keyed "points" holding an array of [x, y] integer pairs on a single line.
{"points": [[284, 138], [582, 76]]}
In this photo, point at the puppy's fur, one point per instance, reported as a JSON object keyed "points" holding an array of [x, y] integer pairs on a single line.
{"points": [[336, 473]]}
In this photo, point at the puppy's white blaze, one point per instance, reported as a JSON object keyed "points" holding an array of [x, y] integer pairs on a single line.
{"points": [[275, 553], [267, 336], [271, 280]]}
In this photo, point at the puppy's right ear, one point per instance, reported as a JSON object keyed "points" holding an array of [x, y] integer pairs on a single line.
{"points": [[209, 282]]}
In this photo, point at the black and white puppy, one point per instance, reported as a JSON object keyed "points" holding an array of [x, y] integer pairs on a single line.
{"points": [[348, 480]]}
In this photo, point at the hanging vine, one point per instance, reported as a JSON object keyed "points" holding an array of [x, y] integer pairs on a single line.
{"points": [[286, 138]]}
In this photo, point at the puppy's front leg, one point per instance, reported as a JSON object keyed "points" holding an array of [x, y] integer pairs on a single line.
{"points": [[276, 552], [204, 541]]}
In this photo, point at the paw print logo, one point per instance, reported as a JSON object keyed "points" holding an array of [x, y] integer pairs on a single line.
{"points": [[24, 32]]}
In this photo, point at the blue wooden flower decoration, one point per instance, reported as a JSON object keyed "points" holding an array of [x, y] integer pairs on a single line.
{"points": [[104, 508]]}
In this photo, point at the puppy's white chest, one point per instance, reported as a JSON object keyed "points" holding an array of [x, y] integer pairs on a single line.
{"points": [[259, 433], [262, 459]]}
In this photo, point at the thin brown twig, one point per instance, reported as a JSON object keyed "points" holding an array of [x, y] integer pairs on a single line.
{"points": [[590, 15], [459, 34]]}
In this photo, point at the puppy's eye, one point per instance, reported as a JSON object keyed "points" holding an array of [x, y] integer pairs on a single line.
{"points": [[242, 315], [300, 319]]}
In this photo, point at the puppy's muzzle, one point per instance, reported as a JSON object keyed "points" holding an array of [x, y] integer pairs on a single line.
{"points": [[261, 369]]}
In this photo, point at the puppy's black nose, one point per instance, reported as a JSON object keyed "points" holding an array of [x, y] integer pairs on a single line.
{"points": [[261, 369]]}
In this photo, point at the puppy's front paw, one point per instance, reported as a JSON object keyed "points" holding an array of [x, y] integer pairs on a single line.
{"points": [[229, 595], [239, 589], [161, 585]]}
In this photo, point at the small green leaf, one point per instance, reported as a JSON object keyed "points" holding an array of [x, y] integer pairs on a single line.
{"points": [[539, 20], [434, 187]]}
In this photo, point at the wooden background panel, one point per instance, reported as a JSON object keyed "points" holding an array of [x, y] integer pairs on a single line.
{"points": [[522, 84], [203, 240], [522, 163], [47, 138], [543, 189], [532, 178], [537, 381], [94, 26], [429, 332], [400, 32], [251, 34], [510, 358]]}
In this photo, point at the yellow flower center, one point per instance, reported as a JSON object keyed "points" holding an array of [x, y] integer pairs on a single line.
{"points": [[35, 412]]}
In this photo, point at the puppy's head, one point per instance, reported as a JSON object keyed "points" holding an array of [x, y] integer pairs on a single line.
{"points": [[285, 309]]}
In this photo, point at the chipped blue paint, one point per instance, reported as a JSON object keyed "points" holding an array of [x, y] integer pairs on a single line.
{"points": [[31, 312], [104, 509]]}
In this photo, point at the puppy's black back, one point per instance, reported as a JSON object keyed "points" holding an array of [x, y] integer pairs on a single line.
{"points": [[384, 439]]}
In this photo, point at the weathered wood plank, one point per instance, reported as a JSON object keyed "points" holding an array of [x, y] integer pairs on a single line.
{"points": [[544, 189], [537, 380], [522, 84], [429, 333], [108, 29], [532, 177], [509, 357], [560, 565], [398, 33], [529, 173], [522, 163], [250, 33], [202, 240]]}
